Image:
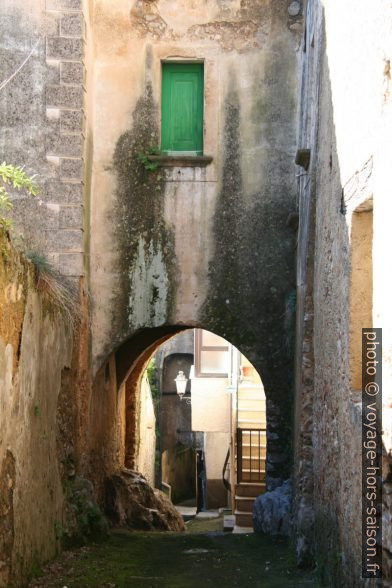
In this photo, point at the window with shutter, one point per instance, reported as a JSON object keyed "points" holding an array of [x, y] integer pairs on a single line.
{"points": [[182, 108]]}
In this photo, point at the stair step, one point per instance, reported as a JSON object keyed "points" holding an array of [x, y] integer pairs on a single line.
{"points": [[260, 423], [250, 409], [250, 393], [255, 453], [243, 519], [251, 398], [249, 489], [254, 448], [254, 472], [253, 464], [244, 503], [253, 415], [250, 386]]}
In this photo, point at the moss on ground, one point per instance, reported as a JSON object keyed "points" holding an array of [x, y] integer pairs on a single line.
{"points": [[160, 559], [205, 525]]}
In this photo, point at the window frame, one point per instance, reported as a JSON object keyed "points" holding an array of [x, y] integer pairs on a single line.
{"points": [[199, 152], [199, 347]]}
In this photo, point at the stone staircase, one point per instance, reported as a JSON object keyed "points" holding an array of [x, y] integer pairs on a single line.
{"points": [[251, 419], [245, 495]]}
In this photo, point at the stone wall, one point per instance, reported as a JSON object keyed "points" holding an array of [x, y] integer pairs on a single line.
{"points": [[201, 245], [42, 120], [346, 106], [36, 427], [207, 245]]}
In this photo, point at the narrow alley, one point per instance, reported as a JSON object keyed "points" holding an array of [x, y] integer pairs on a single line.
{"points": [[195, 300]]}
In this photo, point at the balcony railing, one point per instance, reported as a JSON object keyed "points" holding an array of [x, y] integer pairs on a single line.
{"points": [[251, 448]]}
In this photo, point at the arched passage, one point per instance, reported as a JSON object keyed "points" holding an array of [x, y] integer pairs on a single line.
{"points": [[115, 409], [112, 432], [212, 432]]}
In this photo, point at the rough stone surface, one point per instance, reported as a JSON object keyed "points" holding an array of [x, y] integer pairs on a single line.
{"points": [[71, 169], [83, 519], [36, 129], [294, 8], [132, 503], [64, 96], [272, 511], [35, 349], [62, 48], [343, 77], [71, 25], [71, 73]]}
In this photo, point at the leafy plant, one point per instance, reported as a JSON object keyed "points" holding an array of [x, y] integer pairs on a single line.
{"points": [[153, 381], [63, 294], [15, 177], [144, 158]]}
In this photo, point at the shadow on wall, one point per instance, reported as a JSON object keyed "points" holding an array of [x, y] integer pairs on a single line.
{"points": [[176, 438], [144, 242], [251, 299], [112, 426]]}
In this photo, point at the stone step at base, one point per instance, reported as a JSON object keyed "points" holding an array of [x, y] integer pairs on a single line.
{"points": [[243, 519], [237, 529]]}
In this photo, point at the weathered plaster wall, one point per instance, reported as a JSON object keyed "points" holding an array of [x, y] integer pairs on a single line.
{"points": [[345, 109], [41, 121], [206, 246], [35, 359], [361, 289], [145, 463], [216, 446], [211, 403]]}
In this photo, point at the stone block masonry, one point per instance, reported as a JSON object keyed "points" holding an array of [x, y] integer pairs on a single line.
{"points": [[64, 105], [42, 124]]}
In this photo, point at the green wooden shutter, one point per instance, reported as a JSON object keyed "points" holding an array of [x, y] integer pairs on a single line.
{"points": [[182, 107]]}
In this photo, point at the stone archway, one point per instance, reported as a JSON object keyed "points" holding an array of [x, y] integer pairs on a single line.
{"points": [[113, 438]]}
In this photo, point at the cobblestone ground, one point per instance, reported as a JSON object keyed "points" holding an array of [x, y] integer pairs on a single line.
{"points": [[176, 560]]}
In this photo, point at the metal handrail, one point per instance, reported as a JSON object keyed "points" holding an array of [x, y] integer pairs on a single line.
{"points": [[224, 480]]}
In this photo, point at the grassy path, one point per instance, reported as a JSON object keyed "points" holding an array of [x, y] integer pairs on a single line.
{"points": [[176, 560]]}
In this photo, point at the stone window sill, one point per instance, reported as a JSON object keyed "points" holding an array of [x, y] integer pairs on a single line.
{"points": [[181, 160]]}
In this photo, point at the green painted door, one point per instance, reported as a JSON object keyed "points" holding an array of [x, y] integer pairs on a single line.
{"points": [[182, 107]]}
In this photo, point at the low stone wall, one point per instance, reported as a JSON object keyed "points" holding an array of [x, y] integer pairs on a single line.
{"points": [[35, 357]]}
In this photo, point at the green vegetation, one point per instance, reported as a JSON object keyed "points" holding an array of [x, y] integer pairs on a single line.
{"points": [[88, 522], [153, 381], [144, 159], [58, 291], [166, 560], [36, 568], [15, 177], [201, 525], [152, 377]]}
